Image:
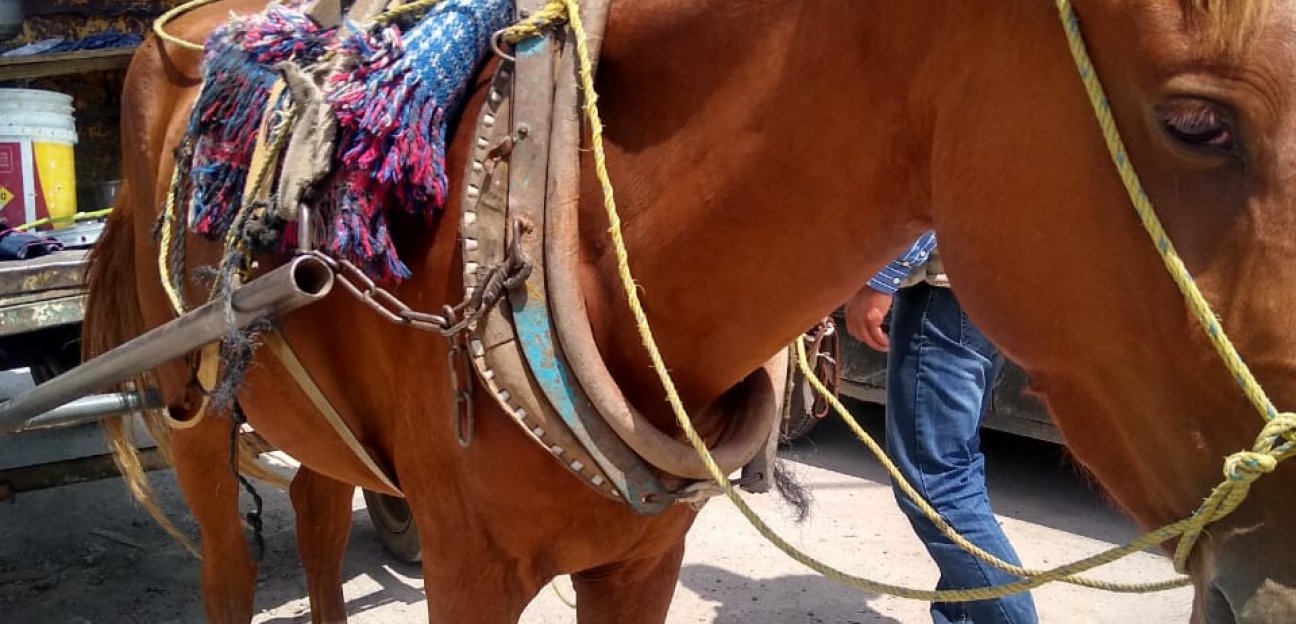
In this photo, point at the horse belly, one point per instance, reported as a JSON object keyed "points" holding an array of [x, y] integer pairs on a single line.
{"points": [[282, 414]]}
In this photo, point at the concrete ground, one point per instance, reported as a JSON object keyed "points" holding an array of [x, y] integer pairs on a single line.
{"points": [[87, 553]]}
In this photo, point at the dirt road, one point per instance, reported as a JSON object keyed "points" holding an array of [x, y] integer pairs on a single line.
{"points": [[87, 553]]}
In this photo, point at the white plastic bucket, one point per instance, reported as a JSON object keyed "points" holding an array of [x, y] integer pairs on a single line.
{"points": [[37, 163]]}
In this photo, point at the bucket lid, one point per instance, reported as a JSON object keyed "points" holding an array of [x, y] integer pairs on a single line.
{"points": [[37, 126], [37, 119], [36, 106], [35, 95]]}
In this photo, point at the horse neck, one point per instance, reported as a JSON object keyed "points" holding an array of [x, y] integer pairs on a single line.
{"points": [[765, 166]]}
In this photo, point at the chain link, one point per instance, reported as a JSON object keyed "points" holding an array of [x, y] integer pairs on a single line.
{"points": [[493, 285], [461, 383], [452, 319]]}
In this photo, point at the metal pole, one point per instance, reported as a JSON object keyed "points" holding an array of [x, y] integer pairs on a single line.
{"points": [[304, 280], [94, 408]]}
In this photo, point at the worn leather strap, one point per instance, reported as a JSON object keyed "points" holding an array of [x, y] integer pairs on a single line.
{"points": [[535, 105], [751, 430], [486, 235], [288, 358]]}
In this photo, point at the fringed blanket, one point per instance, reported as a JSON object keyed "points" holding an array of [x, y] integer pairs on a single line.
{"points": [[389, 91]]}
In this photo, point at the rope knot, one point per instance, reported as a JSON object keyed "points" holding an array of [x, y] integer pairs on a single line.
{"points": [[1282, 426], [1247, 466]]}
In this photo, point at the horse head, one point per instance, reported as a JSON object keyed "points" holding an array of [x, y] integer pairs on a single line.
{"points": [[1045, 249]]}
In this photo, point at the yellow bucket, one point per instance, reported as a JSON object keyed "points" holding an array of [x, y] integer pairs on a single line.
{"points": [[37, 161]]}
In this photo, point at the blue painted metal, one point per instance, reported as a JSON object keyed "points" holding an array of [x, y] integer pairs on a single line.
{"points": [[631, 476], [532, 46]]}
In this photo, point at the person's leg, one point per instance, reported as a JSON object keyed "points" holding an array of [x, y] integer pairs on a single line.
{"points": [[940, 371]]}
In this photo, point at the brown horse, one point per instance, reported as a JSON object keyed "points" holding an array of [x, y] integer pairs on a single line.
{"points": [[768, 157]]}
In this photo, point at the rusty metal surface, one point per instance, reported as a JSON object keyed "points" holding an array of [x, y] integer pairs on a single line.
{"points": [[57, 271], [31, 316], [80, 470], [42, 292]]}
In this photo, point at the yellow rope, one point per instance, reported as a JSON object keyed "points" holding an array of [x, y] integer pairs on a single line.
{"points": [[405, 9], [550, 15], [1274, 443], [159, 25], [659, 365], [1240, 469], [164, 243], [75, 218]]}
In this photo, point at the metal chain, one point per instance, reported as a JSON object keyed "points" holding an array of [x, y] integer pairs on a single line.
{"points": [[461, 382], [493, 285], [452, 320]]}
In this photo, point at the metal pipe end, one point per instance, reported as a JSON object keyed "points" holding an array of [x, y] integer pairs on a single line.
{"points": [[311, 276]]}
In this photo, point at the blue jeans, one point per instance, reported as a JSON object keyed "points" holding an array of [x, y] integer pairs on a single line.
{"points": [[940, 372]]}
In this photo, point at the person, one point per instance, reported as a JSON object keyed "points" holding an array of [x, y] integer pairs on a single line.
{"points": [[940, 372]]}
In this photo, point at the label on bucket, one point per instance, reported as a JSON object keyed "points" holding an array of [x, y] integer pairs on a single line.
{"points": [[18, 181], [37, 180]]}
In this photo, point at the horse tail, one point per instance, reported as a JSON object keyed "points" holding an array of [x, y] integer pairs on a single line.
{"points": [[112, 316]]}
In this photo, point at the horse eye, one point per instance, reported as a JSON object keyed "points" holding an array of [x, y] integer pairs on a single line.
{"points": [[1197, 124]]}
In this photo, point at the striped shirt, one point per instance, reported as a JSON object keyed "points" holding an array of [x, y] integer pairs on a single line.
{"points": [[896, 274]]}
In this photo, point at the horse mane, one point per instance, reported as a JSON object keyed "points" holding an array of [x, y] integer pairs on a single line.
{"points": [[1231, 22]]}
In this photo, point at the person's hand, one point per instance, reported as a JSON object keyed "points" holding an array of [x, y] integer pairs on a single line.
{"points": [[864, 313]]}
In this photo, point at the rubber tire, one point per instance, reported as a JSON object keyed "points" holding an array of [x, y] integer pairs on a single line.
{"points": [[395, 526], [798, 423]]}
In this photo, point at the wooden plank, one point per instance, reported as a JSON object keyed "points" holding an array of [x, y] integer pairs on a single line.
{"points": [[20, 319], [43, 65], [98, 7]]}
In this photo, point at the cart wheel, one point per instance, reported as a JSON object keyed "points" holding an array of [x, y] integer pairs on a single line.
{"points": [[54, 361], [395, 525], [800, 419], [806, 407]]}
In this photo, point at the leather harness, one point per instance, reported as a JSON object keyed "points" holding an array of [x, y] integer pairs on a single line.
{"points": [[518, 203]]}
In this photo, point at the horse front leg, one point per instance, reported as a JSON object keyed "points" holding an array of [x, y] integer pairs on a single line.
{"points": [[629, 592], [201, 456], [466, 578], [322, 506]]}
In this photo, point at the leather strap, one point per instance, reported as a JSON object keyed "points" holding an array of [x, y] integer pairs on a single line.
{"points": [[288, 358], [485, 235], [535, 106], [751, 430]]}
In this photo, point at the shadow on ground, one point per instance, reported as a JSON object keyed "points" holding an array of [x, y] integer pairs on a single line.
{"points": [[809, 599], [1029, 480]]}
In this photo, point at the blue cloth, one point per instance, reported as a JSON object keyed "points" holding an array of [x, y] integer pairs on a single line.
{"points": [[99, 41], [890, 278], [940, 371], [15, 245]]}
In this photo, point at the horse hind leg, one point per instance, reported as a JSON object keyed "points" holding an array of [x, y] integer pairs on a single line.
{"points": [[323, 509], [629, 592], [201, 457]]}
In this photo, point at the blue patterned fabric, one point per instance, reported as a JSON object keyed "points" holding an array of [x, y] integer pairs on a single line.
{"points": [[894, 274], [395, 96]]}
